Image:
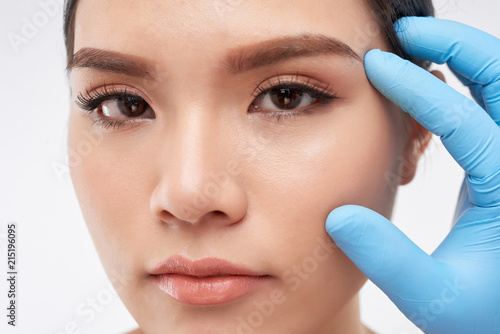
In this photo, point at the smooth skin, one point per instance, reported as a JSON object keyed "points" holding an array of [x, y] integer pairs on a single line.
{"points": [[456, 289]]}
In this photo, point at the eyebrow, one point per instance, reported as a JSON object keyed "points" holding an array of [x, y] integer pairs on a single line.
{"points": [[237, 60], [283, 48], [111, 61]]}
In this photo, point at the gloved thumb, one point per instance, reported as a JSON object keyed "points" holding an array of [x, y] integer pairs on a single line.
{"points": [[403, 271]]}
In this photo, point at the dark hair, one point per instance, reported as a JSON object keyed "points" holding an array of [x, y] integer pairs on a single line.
{"points": [[386, 12]]}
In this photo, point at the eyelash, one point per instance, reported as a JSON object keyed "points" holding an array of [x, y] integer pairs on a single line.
{"points": [[90, 101], [325, 95]]}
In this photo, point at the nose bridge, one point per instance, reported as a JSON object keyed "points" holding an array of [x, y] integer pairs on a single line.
{"points": [[197, 128], [195, 172], [199, 147]]}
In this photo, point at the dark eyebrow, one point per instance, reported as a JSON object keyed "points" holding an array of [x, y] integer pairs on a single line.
{"points": [[283, 48], [237, 60], [111, 61]]}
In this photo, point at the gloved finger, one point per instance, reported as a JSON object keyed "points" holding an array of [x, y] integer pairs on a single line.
{"points": [[475, 89], [463, 202], [487, 96], [466, 130], [405, 273], [471, 53]]}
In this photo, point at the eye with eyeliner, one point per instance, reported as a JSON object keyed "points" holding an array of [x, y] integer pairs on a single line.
{"points": [[95, 104], [291, 86], [282, 96]]}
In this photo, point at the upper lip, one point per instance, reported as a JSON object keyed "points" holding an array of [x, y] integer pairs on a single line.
{"points": [[209, 266]]}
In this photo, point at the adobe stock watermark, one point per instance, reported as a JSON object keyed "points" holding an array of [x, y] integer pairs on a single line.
{"points": [[406, 164], [75, 155], [223, 7], [89, 309], [293, 278], [31, 26], [428, 313], [363, 37]]}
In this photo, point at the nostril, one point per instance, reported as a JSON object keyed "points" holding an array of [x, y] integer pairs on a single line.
{"points": [[218, 214], [165, 216]]}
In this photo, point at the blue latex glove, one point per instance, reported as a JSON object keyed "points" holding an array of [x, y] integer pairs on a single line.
{"points": [[457, 288]]}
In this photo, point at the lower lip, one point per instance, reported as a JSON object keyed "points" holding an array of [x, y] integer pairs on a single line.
{"points": [[211, 290]]}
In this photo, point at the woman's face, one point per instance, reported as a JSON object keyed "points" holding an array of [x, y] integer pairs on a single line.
{"points": [[253, 122]]}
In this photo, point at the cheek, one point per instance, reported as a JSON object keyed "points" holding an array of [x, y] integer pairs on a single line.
{"points": [[112, 192]]}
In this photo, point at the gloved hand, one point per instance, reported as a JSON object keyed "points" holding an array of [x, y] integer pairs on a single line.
{"points": [[457, 288]]}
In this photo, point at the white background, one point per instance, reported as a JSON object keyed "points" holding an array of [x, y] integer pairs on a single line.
{"points": [[57, 264]]}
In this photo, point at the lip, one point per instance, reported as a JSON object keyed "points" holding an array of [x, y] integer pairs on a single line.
{"points": [[208, 281]]}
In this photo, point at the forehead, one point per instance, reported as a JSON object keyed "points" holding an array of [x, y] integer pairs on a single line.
{"points": [[208, 27]]}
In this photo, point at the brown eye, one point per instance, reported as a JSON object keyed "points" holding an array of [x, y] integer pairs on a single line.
{"points": [[130, 107], [283, 98], [286, 98]]}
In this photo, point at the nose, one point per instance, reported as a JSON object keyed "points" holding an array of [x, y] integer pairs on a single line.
{"points": [[199, 174]]}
